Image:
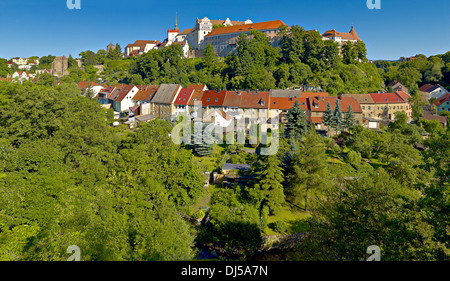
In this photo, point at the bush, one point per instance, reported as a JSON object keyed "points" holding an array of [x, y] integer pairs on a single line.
{"points": [[353, 157], [199, 214], [279, 226]]}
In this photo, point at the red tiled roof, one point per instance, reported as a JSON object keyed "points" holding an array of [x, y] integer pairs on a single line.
{"points": [[247, 27], [256, 100], [196, 96], [124, 92], [387, 98], [232, 98], [83, 85], [442, 99], [352, 35], [213, 98], [319, 104], [313, 94], [145, 93], [428, 88], [198, 88], [285, 103], [441, 119], [317, 120], [184, 96], [405, 96]]}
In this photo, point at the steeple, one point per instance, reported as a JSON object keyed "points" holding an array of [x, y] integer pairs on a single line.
{"points": [[176, 21]]}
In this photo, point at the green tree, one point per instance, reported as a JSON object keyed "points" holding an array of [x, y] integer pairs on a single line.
{"points": [[337, 122], [88, 58], [349, 53], [327, 118], [309, 170], [296, 125], [269, 190], [349, 119]]}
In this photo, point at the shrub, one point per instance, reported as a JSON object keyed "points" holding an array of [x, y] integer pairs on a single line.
{"points": [[279, 226], [353, 157], [199, 214]]}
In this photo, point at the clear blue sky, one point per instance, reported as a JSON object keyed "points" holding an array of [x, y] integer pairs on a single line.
{"points": [[42, 27]]}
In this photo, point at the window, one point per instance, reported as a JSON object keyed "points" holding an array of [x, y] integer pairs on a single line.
{"points": [[363, 107]]}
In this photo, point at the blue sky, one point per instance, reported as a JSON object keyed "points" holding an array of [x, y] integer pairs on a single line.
{"points": [[42, 27]]}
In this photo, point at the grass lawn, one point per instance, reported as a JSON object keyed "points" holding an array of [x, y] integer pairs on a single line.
{"points": [[292, 216]]}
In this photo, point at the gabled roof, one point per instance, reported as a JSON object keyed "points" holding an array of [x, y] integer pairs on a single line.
{"points": [[83, 85], [404, 95], [387, 98], [441, 119], [352, 35], [196, 97], [285, 103], [197, 87], [246, 27], [428, 88], [232, 99], [124, 92], [145, 93], [115, 93], [166, 93], [256, 100], [319, 104], [442, 99], [184, 96], [213, 98], [186, 31]]}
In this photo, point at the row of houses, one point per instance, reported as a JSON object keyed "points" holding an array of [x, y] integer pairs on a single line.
{"points": [[167, 101]]}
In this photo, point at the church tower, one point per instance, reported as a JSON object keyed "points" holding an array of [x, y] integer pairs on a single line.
{"points": [[172, 34]]}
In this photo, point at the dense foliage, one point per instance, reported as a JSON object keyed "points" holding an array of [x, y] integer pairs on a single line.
{"points": [[67, 178]]}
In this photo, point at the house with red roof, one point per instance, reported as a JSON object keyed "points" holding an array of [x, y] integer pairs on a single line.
{"points": [[442, 103], [181, 103], [212, 100], [341, 37], [433, 91], [145, 94], [22, 75], [140, 47], [198, 87], [279, 106], [385, 105], [318, 105], [123, 100]]}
